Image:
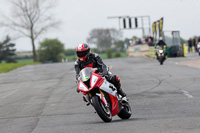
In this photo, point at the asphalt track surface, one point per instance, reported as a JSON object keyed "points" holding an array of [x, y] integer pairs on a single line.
{"points": [[42, 99]]}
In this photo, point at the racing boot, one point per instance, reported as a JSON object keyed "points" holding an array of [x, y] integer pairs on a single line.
{"points": [[118, 86], [116, 82], [120, 91]]}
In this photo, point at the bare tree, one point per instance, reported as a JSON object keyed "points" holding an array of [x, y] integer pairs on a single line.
{"points": [[104, 38], [31, 18]]}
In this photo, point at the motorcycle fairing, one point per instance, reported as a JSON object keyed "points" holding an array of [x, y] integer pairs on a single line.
{"points": [[114, 104], [106, 87], [82, 87], [94, 79]]}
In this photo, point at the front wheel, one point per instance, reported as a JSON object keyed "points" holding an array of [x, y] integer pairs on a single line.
{"points": [[126, 112], [103, 112], [161, 60]]}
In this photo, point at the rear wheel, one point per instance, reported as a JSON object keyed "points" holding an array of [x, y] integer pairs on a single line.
{"points": [[103, 112], [126, 112]]}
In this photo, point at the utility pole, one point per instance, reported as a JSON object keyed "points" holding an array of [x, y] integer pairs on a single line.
{"points": [[139, 23]]}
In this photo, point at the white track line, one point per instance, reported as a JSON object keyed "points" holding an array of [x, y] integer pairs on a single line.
{"points": [[9, 94], [186, 93]]}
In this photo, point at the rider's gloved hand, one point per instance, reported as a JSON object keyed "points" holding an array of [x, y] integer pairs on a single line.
{"points": [[104, 73], [77, 90], [77, 77], [77, 81]]}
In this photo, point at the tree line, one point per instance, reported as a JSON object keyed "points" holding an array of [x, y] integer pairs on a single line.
{"points": [[7, 50], [33, 18]]}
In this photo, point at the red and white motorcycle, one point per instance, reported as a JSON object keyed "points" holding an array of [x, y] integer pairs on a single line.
{"points": [[102, 95]]}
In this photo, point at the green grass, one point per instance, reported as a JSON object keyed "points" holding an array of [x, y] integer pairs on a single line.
{"points": [[6, 67], [103, 56], [24, 60], [71, 58], [124, 54]]}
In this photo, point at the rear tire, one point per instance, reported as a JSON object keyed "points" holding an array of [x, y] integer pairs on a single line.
{"points": [[103, 112], [125, 113]]}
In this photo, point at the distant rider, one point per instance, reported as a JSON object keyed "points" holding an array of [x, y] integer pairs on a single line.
{"points": [[87, 59], [161, 44]]}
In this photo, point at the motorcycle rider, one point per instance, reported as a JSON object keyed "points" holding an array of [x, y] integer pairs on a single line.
{"points": [[87, 59], [161, 44]]}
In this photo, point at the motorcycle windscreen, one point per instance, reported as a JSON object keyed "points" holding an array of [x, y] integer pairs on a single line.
{"points": [[85, 74]]}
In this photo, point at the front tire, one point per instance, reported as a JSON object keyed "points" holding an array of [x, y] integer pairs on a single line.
{"points": [[126, 112], [103, 112], [161, 60]]}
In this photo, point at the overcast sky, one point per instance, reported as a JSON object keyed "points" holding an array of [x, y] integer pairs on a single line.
{"points": [[79, 17]]}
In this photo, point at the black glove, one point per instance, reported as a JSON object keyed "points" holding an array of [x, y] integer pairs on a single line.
{"points": [[77, 81], [104, 73], [77, 90], [77, 77]]}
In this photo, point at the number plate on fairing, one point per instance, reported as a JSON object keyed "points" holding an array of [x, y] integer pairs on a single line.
{"points": [[106, 87]]}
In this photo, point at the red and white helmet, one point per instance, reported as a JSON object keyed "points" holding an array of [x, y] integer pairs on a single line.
{"points": [[83, 51]]}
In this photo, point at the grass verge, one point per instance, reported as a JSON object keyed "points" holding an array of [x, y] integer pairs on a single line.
{"points": [[102, 55], [11, 66], [24, 60]]}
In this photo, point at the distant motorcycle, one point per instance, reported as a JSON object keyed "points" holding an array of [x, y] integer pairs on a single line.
{"points": [[160, 53], [102, 95]]}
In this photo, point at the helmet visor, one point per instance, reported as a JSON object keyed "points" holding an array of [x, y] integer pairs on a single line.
{"points": [[82, 53]]}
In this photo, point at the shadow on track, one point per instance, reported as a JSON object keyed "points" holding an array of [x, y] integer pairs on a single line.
{"points": [[114, 121]]}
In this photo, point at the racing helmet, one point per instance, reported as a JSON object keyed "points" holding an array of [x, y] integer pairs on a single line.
{"points": [[82, 51]]}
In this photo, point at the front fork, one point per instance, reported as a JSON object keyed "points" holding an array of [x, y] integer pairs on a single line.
{"points": [[101, 96], [86, 99]]}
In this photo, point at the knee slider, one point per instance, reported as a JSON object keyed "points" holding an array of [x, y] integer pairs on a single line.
{"points": [[117, 79]]}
